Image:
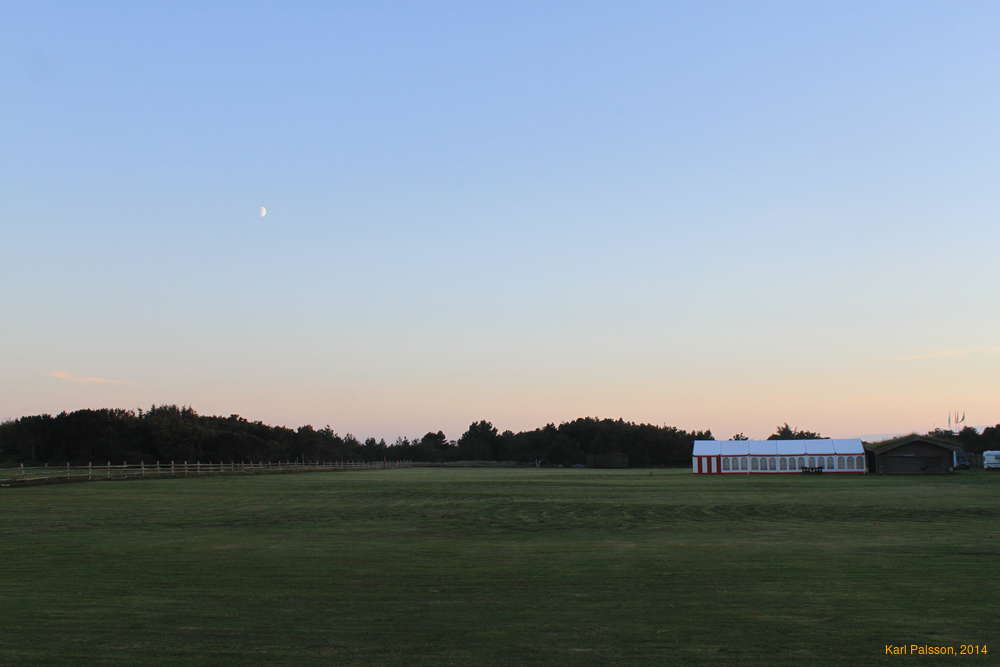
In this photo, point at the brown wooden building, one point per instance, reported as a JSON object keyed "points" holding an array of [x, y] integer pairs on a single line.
{"points": [[911, 455]]}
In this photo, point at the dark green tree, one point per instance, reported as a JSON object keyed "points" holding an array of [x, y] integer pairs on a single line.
{"points": [[971, 440], [786, 432], [479, 442], [434, 447]]}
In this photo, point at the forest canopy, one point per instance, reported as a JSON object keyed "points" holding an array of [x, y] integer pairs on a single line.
{"points": [[173, 433]]}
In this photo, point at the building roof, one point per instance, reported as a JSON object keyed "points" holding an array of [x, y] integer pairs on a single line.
{"points": [[777, 447], [889, 445]]}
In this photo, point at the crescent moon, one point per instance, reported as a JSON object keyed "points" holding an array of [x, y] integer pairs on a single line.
{"points": [[263, 211]]}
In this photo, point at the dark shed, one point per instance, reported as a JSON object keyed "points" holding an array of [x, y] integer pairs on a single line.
{"points": [[912, 455]]}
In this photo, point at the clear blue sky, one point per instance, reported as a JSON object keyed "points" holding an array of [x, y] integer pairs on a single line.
{"points": [[710, 215]]}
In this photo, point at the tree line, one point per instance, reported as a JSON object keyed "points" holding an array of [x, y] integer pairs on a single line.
{"points": [[175, 433], [971, 440]]}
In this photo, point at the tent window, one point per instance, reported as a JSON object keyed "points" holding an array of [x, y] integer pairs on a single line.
{"points": [[754, 465], [725, 463], [771, 464], [840, 462], [812, 461], [743, 463], [829, 462], [802, 462], [784, 463], [859, 463]]}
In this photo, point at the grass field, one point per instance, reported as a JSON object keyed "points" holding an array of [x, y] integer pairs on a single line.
{"points": [[499, 566]]}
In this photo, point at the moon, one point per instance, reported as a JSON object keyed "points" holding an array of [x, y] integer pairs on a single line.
{"points": [[263, 211]]}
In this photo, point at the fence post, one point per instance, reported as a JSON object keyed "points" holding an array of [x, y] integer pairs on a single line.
{"points": [[142, 468], [67, 469], [109, 468], [185, 468], [173, 470], [90, 470]]}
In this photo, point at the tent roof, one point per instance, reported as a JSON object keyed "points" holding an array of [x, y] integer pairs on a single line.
{"points": [[778, 447]]}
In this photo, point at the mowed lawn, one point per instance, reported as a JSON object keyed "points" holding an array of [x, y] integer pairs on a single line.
{"points": [[499, 567]]}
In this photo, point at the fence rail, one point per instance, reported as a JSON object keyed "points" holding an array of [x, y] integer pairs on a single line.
{"points": [[110, 471]]}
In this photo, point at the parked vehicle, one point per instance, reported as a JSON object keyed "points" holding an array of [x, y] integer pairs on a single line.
{"points": [[991, 460], [960, 461]]}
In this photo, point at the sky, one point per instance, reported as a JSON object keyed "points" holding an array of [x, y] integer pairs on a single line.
{"points": [[710, 215]]}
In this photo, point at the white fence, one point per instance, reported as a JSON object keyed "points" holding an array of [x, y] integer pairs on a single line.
{"points": [[80, 473]]}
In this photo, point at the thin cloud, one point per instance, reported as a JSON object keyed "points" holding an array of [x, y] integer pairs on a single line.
{"points": [[959, 353], [69, 377]]}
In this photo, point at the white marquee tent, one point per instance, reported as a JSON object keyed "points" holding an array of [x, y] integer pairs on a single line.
{"points": [[751, 457]]}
